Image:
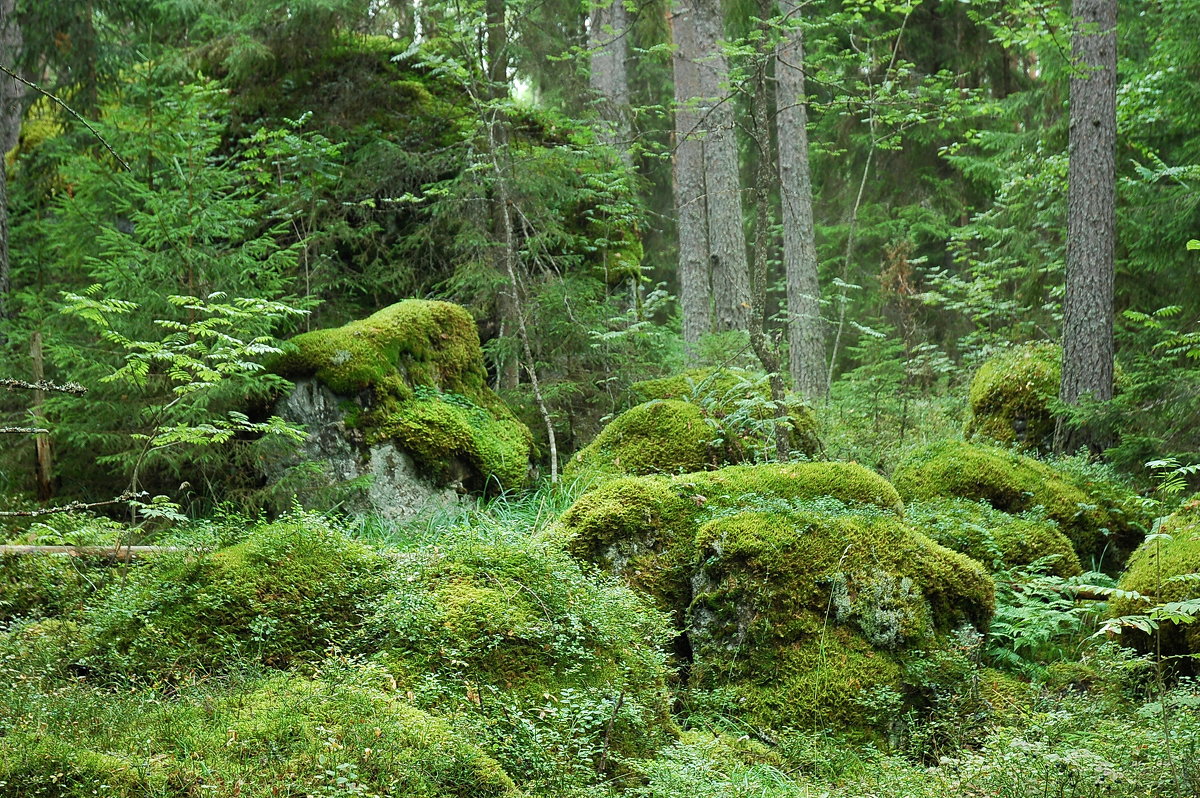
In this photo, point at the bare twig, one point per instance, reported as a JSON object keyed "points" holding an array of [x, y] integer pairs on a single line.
{"points": [[23, 431], [73, 388], [72, 507], [70, 111], [122, 553]]}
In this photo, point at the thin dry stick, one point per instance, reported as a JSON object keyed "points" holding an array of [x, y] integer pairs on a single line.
{"points": [[73, 388], [71, 507], [70, 111]]}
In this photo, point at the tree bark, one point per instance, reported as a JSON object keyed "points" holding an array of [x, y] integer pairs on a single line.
{"points": [[1087, 368], [508, 368], [608, 28], [806, 334], [691, 207], [12, 95]]}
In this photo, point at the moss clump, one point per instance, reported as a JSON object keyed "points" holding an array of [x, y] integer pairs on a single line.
{"points": [[1014, 484], [737, 402], [1011, 393], [995, 538], [55, 768], [548, 665], [1165, 570], [803, 613], [282, 595], [416, 370], [654, 437]]}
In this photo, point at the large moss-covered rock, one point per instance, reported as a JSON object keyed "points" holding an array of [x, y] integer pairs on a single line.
{"points": [[995, 538], [412, 374], [1165, 570], [656, 437], [736, 402], [804, 614], [1099, 517], [1011, 393]]}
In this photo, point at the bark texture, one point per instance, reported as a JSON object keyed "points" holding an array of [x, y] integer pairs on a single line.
{"points": [[12, 95], [706, 114], [806, 333], [1091, 216], [608, 28], [508, 369]]}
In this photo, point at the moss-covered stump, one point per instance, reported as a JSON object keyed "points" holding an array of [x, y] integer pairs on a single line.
{"points": [[736, 401], [285, 733], [281, 596], [560, 674], [413, 373], [1165, 570], [1011, 393], [805, 614], [995, 538], [1102, 519], [656, 437], [643, 528]]}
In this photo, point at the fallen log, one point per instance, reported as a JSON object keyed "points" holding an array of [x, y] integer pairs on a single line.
{"points": [[121, 553]]}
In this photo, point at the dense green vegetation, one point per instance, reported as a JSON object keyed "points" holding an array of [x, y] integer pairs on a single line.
{"points": [[382, 418]]}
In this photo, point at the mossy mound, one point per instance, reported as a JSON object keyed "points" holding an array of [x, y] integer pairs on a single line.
{"points": [[282, 595], [995, 538], [1165, 570], [286, 732], [416, 372], [804, 614], [1011, 393], [736, 401], [558, 673], [643, 528], [1094, 514], [655, 437]]}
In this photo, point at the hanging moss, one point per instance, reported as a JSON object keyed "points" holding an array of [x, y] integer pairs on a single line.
{"points": [[654, 437], [1011, 394], [736, 401], [1099, 518], [994, 538], [1165, 570], [416, 372], [804, 614]]}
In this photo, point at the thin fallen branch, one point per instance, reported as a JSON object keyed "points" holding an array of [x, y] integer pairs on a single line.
{"points": [[72, 507], [23, 431], [121, 553], [70, 111], [73, 388]]}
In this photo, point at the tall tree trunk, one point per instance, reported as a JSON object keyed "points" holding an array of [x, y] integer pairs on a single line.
{"points": [[608, 28], [691, 207], [764, 181], [12, 95], [508, 369], [806, 334], [1087, 368]]}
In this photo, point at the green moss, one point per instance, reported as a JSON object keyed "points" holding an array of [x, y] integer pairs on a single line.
{"points": [[53, 768], [803, 614], [744, 486], [416, 371], [1160, 570], [736, 401], [996, 539], [654, 437], [1083, 508], [1011, 394], [281, 596]]}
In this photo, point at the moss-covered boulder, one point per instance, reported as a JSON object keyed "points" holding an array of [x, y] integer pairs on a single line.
{"points": [[656, 437], [560, 674], [805, 614], [737, 402], [1011, 393], [1101, 518], [280, 596], [643, 528], [995, 538], [413, 374], [1165, 570]]}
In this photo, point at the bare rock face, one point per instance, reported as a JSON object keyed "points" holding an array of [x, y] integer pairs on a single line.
{"points": [[375, 478]]}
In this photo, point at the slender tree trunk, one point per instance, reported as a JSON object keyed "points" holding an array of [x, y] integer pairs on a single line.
{"points": [[764, 181], [691, 207], [1087, 368], [43, 452], [508, 369], [12, 94], [806, 333], [608, 28]]}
